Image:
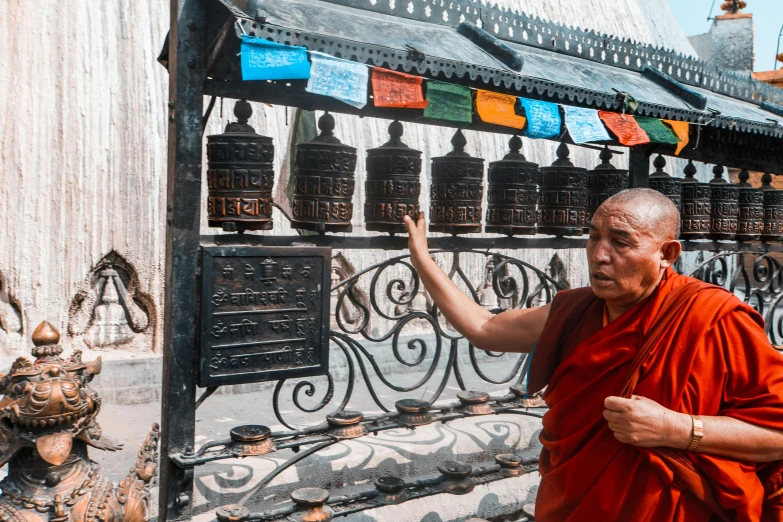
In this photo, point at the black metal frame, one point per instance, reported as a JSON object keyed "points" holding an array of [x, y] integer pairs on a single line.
{"points": [[189, 60]]}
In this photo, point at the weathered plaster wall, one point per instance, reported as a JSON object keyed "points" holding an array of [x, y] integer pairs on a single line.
{"points": [[83, 161]]}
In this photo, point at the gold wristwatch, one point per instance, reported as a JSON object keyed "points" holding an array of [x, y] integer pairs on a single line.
{"points": [[698, 433]]}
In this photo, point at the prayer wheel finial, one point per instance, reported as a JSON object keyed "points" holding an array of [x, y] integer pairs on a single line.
{"points": [[743, 177], [690, 172], [667, 185]]}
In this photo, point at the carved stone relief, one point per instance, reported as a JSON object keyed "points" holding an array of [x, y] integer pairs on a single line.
{"points": [[111, 312], [11, 322]]}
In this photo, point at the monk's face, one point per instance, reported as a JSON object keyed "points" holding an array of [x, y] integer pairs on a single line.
{"points": [[624, 255]]}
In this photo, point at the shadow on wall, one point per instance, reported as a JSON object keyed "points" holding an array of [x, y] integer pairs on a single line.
{"points": [[11, 319], [110, 312]]}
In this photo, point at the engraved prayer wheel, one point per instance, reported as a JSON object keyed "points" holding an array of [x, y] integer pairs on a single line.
{"points": [[773, 210], [602, 182], [724, 207], [696, 208], [562, 200], [324, 182], [751, 209], [457, 190], [393, 185], [512, 193], [240, 176], [667, 185]]}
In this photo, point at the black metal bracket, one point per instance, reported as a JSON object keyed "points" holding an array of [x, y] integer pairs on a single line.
{"points": [[678, 89], [495, 47]]}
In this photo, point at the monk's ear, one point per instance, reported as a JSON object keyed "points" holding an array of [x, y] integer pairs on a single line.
{"points": [[670, 252]]}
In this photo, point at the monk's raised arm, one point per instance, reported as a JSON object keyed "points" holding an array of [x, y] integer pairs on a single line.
{"points": [[509, 331]]}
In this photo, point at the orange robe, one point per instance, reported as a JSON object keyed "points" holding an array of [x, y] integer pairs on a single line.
{"points": [[714, 360]]}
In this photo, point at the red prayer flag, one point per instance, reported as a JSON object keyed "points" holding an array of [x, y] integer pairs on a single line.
{"points": [[624, 126], [398, 90]]}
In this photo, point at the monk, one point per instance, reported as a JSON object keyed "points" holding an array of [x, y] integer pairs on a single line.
{"points": [[665, 397]]}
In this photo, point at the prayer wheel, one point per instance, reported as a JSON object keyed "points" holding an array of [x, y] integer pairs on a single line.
{"points": [[457, 190], [724, 207], [696, 208], [562, 209], [512, 193], [324, 182], [240, 176], [751, 210], [602, 182], [773, 210], [667, 185], [392, 187]]}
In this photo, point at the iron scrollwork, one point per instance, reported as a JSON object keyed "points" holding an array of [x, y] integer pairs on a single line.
{"points": [[420, 340], [754, 277]]}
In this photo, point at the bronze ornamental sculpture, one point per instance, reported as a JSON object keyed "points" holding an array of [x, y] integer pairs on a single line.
{"points": [[48, 414]]}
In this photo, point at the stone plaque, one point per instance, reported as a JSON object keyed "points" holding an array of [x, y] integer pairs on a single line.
{"points": [[264, 313]]}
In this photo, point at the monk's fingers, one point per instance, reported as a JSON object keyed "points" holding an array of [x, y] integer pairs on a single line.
{"points": [[612, 416], [618, 404], [421, 223], [409, 224], [616, 427]]}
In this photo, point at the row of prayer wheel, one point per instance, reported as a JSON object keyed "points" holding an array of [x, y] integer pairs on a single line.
{"points": [[522, 198]]}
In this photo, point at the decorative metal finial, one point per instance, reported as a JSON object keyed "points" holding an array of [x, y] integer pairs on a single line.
{"points": [[690, 171], [46, 335], [766, 180], [717, 171], [459, 142], [659, 163], [733, 6], [743, 177]]}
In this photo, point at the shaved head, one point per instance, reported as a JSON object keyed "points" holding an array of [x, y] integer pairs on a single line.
{"points": [[632, 242], [654, 210]]}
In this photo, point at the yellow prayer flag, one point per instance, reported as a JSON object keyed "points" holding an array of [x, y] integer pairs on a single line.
{"points": [[498, 108], [681, 129]]}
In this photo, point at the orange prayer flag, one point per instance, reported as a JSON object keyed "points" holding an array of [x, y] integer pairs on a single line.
{"points": [[624, 126], [681, 129], [398, 90], [498, 108]]}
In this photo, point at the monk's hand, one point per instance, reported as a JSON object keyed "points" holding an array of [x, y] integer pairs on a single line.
{"points": [[417, 239], [645, 423]]}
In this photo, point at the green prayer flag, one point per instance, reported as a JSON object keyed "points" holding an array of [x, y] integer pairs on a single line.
{"points": [[449, 102], [657, 130]]}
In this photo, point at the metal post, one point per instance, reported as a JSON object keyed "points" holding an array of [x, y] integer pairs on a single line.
{"points": [[639, 166], [178, 411]]}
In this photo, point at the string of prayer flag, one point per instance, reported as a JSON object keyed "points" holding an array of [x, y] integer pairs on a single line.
{"points": [[543, 118], [682, 129], [625, 128], [493, 107], [584, 125], [657, 131], [337, 78], [449, 102], [397, 90], [264, 60]]}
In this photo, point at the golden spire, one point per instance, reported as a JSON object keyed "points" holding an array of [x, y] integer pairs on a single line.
{"points": [[733, 6]]}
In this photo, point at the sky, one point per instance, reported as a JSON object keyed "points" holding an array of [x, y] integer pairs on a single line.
{"points": [[767, 20]]}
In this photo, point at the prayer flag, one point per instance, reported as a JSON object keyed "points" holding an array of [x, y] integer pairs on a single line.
{"points": [[543, 118], [449, 102], [657, 131], [496, 108], [682, 129], [398, 90], [265, 60], [340, 79], [626, 129], [584, 125]]}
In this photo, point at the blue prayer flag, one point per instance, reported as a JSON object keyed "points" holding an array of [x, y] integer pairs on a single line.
{"points": [[543, 118], [584, 125], [265, 60], [340, 79]]}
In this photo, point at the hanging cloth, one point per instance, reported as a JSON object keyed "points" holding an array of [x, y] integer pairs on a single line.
{"points": [[264, 60], [543, 118], [657, 131], [625, 128], [449, 102], [584, 125], [682, 129], [397, 90], [496, 108], [340, 79]]}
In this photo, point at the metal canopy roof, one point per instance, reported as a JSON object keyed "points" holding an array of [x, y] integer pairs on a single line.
{"points": [[561, 64]]}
